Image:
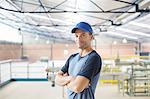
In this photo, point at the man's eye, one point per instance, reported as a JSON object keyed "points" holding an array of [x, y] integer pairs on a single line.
{"points": [[83, 35], [76, 35]]}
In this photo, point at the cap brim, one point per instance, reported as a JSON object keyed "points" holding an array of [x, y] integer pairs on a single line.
{"points": [[74, 29]]}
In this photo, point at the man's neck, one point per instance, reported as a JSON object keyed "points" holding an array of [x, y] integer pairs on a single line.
{"points": [[85, 51]]}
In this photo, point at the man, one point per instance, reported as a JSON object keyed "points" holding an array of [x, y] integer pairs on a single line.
{"points": [[81, 72]]}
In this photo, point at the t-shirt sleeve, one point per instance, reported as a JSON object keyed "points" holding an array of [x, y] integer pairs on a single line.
{"points": [[91, 68], [66, 66]]}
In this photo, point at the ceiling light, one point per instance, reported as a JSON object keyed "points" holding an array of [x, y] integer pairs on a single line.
{"points": [[14, 36], [66, 52], [74, 17], [140, 24], [144, 17], [124, 15], [36, 16], [132, 32], [124, 40], [119, 35], [130, 17], [76, 5], [144, 2], [46, 18], [115, 42], [52, 28], [47, 42], [37, 37]]}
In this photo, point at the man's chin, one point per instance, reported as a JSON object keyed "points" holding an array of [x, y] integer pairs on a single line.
{"points": [[81, 47]]}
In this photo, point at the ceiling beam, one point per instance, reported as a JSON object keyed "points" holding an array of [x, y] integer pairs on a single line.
{"points": [[96, 5], [59, 4]]}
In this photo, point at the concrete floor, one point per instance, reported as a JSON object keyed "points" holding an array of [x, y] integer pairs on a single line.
{"points": [[43, 90]]}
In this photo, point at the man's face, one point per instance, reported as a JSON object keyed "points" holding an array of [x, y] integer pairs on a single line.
{"points": [[83, 39]]}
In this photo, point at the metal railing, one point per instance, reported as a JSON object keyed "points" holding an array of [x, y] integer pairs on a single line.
{"points": [[18, 69], [5, 71]]}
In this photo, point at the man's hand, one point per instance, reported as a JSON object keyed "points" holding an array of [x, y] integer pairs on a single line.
{"points": [[65, 74], [47, 69], [62, 78]]}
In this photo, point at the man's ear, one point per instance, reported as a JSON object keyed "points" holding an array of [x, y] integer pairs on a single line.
{"points": [[92, 37]]}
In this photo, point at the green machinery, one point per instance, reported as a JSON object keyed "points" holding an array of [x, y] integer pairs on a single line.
{"points": [[137, 80]]}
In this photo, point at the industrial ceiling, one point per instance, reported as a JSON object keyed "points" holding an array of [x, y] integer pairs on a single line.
{"points": [[119, 19]]}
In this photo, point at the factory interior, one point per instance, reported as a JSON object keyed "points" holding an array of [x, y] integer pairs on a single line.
{"points": [[36, 35]]}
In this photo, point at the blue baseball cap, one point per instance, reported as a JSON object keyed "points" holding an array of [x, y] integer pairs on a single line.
{"points": [[83, 26]]}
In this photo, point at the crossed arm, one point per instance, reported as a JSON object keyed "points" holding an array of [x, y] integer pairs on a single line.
{"points": [[76, 84]]}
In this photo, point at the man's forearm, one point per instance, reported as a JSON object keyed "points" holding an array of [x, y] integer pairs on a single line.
{"points": [[72, 85], [78, 84]]}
